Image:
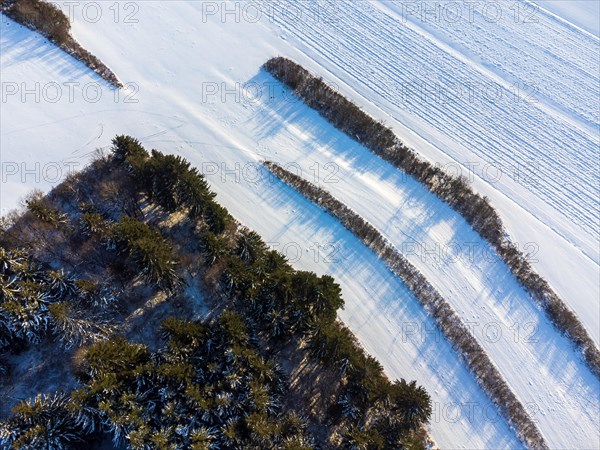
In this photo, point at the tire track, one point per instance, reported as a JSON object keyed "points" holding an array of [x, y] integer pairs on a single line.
{"points": [[383, 54]]}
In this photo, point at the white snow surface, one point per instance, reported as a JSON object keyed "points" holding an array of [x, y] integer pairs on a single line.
{"points": [[581, 13], [535, 155]]}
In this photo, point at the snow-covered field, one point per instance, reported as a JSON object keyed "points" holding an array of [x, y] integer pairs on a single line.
{"points": [[526, 122], [581, 13]]}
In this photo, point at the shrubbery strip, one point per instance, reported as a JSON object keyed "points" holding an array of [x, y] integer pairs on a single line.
{"points": [[448, 321], [48, 20], [455, 191]]}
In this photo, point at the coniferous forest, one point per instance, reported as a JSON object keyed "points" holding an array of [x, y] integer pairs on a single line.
{"points": [[153, 319]]}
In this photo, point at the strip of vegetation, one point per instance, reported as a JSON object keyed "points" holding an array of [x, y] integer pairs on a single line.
{"points": [[48, 20], [448, 321], [270, 368], [455, 191]]}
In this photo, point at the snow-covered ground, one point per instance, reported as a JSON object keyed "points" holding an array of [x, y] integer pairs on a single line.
{"points": [[581, 13], [535, 157], [185, 62]]}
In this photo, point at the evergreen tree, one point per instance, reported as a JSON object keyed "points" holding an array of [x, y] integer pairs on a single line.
{"points": [[46, 422], [152, 253], [41, 209], [129, 151], [216, 216], [75, 327], [411, 404], [214, 247]]}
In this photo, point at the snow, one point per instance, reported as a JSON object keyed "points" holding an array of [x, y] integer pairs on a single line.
{"points": [[539, 169], [537, 363], [176, 55], [581, 13], [384, 315]]}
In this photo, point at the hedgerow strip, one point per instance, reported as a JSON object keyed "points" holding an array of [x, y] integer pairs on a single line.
{"points": [[478, 362], [473, 207]]}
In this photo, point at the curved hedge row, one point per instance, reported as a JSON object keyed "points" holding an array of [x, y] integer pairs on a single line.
{"points": [[446, 318], [476, 209]]}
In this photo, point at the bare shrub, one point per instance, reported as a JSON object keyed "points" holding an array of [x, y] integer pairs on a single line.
{"points": [[48, 20], [446, 318]]}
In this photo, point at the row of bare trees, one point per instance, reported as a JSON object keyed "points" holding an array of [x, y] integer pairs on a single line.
{"points": [[446, 318], [455, 191], [48, 20]]}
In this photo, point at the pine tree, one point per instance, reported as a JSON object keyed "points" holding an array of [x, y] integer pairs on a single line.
{"points": [[45, 422], [75, 327], [363, 439], [411, 404], [60, 285], [151, 252], [214, 247], [250, 247], [216, 216], [41, 209], [128, 150], [95, 296]]}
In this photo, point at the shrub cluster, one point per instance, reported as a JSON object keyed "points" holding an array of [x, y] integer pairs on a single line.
{"points": [[48, 20], [455, 191], [446, 318]]}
